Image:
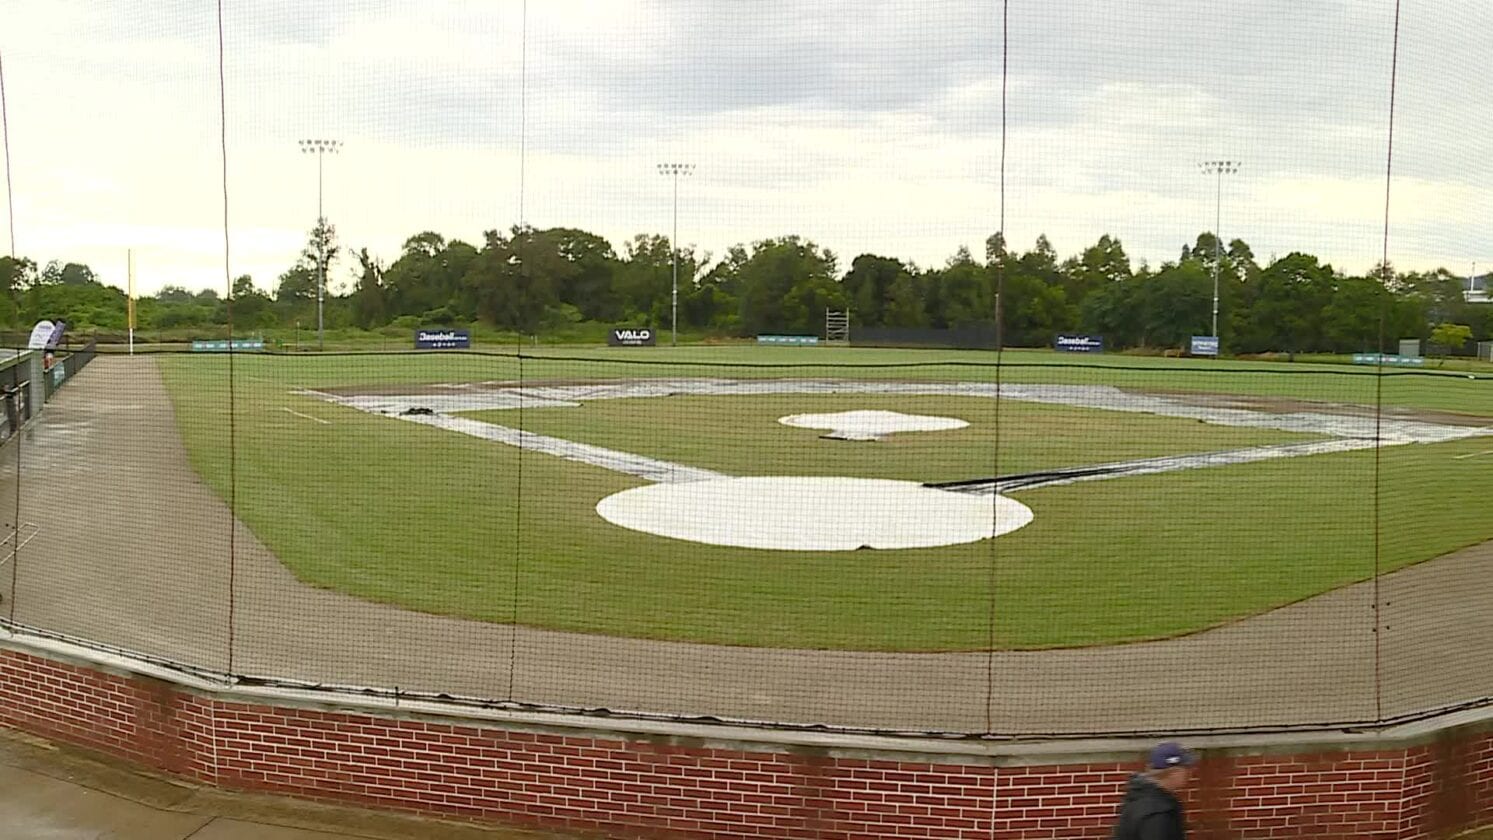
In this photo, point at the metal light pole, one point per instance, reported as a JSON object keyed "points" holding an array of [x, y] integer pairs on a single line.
{"points": [[1218, 169], [320, 148], [675, 170]]}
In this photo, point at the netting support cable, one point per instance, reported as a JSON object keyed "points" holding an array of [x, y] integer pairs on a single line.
{"points": [[1394, 67], [10, 204], [518, 514], [10, 216], [518, 533], [1000, 281], [232, 408], [523, 108]]}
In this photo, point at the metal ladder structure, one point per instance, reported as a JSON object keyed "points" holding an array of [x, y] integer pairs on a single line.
{"points": [[837, 326]]}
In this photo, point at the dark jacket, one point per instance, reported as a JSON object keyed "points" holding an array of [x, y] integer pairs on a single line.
{"points": [[1150, 812]]}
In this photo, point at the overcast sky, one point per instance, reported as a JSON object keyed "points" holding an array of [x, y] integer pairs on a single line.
{"points": [[864, 126]]}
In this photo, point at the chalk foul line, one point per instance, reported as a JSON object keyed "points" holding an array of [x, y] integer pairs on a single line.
{"points": [[305, 416]]}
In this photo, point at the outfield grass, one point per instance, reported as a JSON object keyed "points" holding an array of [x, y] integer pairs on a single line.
{"points": [[395, 512], [1432, 390], [741, 435]]}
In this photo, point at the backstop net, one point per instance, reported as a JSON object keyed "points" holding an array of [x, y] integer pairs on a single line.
{"points": [[479, 353]]}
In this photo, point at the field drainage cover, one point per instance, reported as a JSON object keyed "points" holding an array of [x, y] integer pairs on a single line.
{"points": [[813, 513]]}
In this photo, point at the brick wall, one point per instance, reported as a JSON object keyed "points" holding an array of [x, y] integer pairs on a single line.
{"points": [[1449, 778], [146, 721], [1342, 794], [671, 786]]}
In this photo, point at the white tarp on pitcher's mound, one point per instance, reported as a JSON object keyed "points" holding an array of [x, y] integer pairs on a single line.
{"points": [[871, 425], [813, 513]]}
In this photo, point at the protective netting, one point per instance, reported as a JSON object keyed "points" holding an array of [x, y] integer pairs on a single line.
{"points": [[967, 429]]}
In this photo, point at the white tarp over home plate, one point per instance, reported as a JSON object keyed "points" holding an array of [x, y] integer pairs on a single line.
{"points": [[813, 513]]}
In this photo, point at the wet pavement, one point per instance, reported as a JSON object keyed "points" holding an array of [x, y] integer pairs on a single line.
{"points": [[49, 792]]}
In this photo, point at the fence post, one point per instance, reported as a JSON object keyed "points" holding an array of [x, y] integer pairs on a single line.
{"points": [[36, 372]]}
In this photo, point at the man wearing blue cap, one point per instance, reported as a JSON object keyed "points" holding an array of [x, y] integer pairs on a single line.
{"points": [[1151, 810]]}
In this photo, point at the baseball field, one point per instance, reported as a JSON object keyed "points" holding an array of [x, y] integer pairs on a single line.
{"points": [[1166, 496]]}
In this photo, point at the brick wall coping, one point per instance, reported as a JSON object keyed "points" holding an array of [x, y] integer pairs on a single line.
{"points": [[998, 752]]}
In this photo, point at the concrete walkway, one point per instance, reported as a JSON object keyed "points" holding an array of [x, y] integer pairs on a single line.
{"points": [[52, 793]]}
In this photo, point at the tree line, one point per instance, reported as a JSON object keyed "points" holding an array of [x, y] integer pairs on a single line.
{"points": [[533, 281]]}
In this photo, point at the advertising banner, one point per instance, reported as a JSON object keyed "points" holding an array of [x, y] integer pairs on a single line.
{"points": [[443, 339], [787, 339], [1384, 358], [1204, 345], [59, 328], [632, 337], [1080, 343], [224, 346], [40, 335]]}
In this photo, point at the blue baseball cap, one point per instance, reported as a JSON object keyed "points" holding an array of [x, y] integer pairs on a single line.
{"points": [[1171, 754]]}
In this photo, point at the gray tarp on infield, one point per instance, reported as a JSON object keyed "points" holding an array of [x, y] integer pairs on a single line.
{"points": [[1347, 432]]}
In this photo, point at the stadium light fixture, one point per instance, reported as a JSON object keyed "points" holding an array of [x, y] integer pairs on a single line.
{"points": [[1218, 169], [320, 148], [674, 170]]}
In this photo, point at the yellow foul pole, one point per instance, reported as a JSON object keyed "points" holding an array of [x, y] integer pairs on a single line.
{"points": [[129, 257]]}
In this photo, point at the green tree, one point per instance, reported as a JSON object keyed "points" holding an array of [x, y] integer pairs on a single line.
{"points": [[1101, 264], [369, 303], [868, 286], [174, 294], [784, 284], [906, 304], [584, 273], [84, 306], [513, 279], [69, 274], [1176, 303], [16, 274], [321, 250], [1033, 311], [1034, 300], [1287, 313], [1162, 308], [1450, 337], [429, 279], [1113, 311], [709, 306], [966, 293], [297, 285], [644, 277], [251, 307], [1437, 294], [1351, 319]]}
